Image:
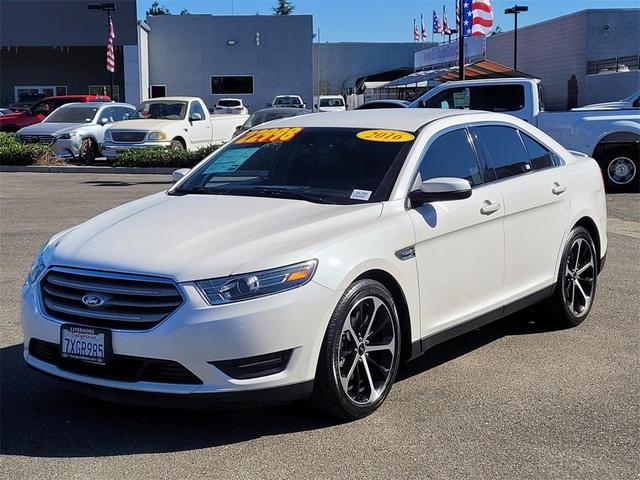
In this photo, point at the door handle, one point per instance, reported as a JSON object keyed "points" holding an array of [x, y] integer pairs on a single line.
{"points": [[558, 189], [489, 208]]}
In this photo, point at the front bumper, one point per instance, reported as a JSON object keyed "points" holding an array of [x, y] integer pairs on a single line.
{"points": [[197, 334], [113, 150], [66, 148]]}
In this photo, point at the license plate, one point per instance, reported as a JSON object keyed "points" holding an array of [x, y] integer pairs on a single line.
{"points": [[85, 343]]}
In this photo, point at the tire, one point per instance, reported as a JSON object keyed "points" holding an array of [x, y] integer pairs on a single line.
{"points": [[575, 288], [621, 169], [176, 144], [355, 375], [87, 153]]}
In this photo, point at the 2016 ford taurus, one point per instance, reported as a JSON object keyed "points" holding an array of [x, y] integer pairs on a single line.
{"points": [[308, 257]]}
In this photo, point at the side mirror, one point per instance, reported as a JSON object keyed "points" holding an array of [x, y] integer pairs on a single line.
{"points": [[125, 117], [178, 174], [440, 189], [315, 106], [238, 128], [103, 121], [195, 117]]}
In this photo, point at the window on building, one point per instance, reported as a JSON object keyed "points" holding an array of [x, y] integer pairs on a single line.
{"points": [[156, 91], [232, 85], [505, 149], [451, 155], [492, 98]]}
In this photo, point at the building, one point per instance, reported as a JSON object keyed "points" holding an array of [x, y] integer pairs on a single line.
{"points": [[249, 57], [58, 47], [582, 58]]}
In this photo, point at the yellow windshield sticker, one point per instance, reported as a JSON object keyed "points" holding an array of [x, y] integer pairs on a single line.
{"points": [[269, 135], [385, 136]]}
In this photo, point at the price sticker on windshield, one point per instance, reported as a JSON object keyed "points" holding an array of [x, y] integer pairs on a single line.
{"points": [[270, 135], [387, 136]]}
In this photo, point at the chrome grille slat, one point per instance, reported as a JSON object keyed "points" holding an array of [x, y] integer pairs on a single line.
{"points": [[127, 137], [130, 302]]}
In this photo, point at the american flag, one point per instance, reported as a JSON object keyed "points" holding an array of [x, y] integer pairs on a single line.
{"points": [[416, 32], [437, 24], [477, 17], [423, 28], [445, 22], [111, 57]]}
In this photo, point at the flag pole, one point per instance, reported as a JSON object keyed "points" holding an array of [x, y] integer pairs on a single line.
{"points": [[461, 44]]}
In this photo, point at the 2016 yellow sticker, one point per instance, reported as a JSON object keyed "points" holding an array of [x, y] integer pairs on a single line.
{"points": [[269, 135], [385, 136]]}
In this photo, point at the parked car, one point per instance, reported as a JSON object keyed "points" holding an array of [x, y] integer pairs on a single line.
{"points": [[377, 104], [178, 123], [230, 105], [39, 111], [267, 115], [292, 101], [612, 138], [308, 258], [330, 103], [632, 101], [76, 130]]}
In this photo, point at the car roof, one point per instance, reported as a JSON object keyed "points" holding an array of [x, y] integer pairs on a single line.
{"points": [[293, 111], [97, 104], [73, 97], [173, 99], [394, 119]]}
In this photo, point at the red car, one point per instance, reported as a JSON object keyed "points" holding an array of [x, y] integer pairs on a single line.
{"points": [[39, 110]]}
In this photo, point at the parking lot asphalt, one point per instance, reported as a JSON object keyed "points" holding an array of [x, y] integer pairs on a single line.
{"points": [[516, 399]]}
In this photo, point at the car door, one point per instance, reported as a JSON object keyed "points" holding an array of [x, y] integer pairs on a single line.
{"points": [[199, 130], [536, 205], [459, 244]]}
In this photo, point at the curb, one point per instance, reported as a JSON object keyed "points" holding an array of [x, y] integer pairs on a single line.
{"points": [[79, 169]]}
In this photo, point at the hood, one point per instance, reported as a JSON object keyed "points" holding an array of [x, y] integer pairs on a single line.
{"points": [[195, 237], [143, 124], [11, 116], [49, 128]]}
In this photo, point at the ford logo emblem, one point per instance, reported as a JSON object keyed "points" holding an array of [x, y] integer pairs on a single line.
{"points": [[93, 300]]}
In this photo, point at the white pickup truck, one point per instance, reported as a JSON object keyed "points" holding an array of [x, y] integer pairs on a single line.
{"points": [[179, 123], [612, 137]]}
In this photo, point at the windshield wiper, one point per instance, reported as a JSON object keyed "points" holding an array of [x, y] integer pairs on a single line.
{"points": [[195, 190], [278, 193]]}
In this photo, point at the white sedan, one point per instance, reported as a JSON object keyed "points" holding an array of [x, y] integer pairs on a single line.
{"points": [[311, 255]]}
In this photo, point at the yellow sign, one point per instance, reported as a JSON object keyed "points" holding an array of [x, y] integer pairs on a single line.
{"points": [[268, 135], [385, 136]]}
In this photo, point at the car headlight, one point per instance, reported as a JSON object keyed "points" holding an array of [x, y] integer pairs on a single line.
{"points": [[236, 288], [38, 265], [155, 136], [66, 136]]}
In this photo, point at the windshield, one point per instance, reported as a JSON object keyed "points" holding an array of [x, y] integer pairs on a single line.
{"points": [[258, 118], [165, 110], [321, 165], [287, 101], [331, 102], [228, 103], [72, 115]]}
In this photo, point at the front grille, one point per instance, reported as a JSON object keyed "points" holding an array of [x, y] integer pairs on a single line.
{"points": [[128, 137], [46, 139], [121, 367], [127, 303]]}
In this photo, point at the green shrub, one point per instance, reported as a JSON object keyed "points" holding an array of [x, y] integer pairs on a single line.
{"points": [[163, 157], [13, 152]]}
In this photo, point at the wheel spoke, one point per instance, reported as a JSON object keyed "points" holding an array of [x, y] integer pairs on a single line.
{"points": [[585, 268], [582, 292], [345, 380], [573, 296], [377, 348], [578, 254], [377, 303], [373, 395]]}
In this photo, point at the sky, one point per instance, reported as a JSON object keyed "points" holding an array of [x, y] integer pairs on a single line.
{"points": [[382, 20]]}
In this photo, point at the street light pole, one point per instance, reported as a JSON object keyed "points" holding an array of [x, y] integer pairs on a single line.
{"points": [[515, 10], [460, 42], [106, 7]]}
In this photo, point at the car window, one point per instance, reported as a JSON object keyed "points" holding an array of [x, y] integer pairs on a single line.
{"points": [[493, 98], [228, 103], [197, 108], [505, 150], [451, 155], [539, 156], [161, 110], [108, 114], [119, 113], [331, 102], [73, 114]]}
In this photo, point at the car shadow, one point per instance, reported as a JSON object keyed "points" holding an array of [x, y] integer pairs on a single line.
{"points": [[40, 418]]}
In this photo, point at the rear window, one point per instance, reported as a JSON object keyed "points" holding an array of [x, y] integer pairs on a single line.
{"points": [[493, 98], [323, 165], [331, 102], [287, 101], [228, 103]]}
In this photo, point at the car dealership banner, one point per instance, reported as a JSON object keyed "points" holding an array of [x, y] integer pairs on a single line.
{"points": [[474, 47]]}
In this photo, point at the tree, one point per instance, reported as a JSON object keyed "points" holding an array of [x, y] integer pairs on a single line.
{"points": [[284, 7], [184, 11], [156, 9]]}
